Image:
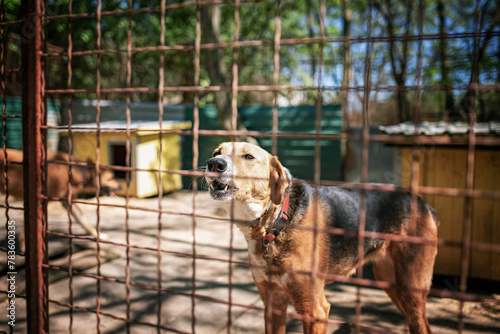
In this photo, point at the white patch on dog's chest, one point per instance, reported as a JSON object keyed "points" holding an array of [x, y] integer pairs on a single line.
{"points": [[244, 212], [259, 267]]}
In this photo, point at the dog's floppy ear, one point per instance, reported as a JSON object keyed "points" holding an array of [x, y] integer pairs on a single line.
{"points": [[278, 180], [90, 170]]}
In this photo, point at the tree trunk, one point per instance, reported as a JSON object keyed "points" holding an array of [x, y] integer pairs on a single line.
{"points": [[217, 71], [347, 73], [310, 25], [493, 115], [398, 64], [450, 111], [346, 82], [498, 50], [469, 101]]}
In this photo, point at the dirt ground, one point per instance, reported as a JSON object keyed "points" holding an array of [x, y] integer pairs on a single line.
{"points": [[225, 296]]}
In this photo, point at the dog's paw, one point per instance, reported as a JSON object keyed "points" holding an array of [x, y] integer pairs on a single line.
{"points": [[103, 236]]}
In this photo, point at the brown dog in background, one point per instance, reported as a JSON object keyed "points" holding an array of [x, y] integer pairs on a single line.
{"points": [[83, 180], [292, 256]]}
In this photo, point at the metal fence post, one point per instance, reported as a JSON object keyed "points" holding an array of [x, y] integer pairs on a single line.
{"points": [[33, 148]]}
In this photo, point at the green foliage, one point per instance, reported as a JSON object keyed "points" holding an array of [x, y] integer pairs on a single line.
{"points": [[299, 63]]}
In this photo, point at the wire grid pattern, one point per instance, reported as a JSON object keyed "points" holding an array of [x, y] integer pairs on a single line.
{"points": [[468, 193]]}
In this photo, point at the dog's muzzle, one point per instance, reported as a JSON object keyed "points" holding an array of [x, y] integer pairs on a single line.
{"points": [[221, 187]]}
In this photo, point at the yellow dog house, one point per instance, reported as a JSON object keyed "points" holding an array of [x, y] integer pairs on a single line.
{"points": [[144, 147]]}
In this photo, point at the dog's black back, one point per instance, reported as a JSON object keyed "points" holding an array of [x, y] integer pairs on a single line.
{"points": [[386, 212]]}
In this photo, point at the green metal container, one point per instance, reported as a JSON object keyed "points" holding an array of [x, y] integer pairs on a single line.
{"points": [[14, 126]]}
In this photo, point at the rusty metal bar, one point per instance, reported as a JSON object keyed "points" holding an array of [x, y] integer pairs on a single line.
{"points": [[314, 272], [150, 10], [10, 207], [415, 157], [128, 160], [70, 174], [234, 126], [444, 191], [272, 88], [276, 75], [389, 139], [469, 180], [274, 137], [364, 161], [4, 148], [33, 155], [4, 115], [161, 84], [415, 150], [492, 248], [479, 246], [8, 116], [98, 162], [196, 153], [362, 282], [284, 42]]}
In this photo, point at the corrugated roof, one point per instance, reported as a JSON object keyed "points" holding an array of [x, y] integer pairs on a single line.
{"points": [[441, 128], [135, 126]]}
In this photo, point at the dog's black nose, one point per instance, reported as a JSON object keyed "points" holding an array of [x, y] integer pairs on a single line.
{"points": [[217, 165]]}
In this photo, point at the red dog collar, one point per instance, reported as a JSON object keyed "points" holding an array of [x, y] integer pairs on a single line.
{"points": [[279, 225]]}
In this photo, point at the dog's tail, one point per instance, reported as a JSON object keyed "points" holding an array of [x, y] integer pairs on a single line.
{"points": [[434, 214]]}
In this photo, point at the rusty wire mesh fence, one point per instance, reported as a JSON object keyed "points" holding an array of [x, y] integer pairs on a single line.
{"points": [[173, 262]]}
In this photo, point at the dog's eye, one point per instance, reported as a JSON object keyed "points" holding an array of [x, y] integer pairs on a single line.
{"points": [[216, 154], [248, 157]]}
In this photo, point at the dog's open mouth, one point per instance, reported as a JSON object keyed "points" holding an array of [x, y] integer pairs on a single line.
{"points": [[220, 190]]}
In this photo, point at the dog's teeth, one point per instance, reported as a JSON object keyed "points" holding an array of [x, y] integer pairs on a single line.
{"points": [[226, 188]]}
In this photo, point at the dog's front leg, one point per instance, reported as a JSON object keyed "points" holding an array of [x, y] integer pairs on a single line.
{"points": [[308, 298], [276, 301]]}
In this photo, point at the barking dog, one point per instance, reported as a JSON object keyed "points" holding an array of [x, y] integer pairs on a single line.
{"points": [[292, 256], [83, 179]]}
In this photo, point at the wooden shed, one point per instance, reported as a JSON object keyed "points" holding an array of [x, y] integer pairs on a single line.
{"points": [[444, 164], [145, 143]]}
